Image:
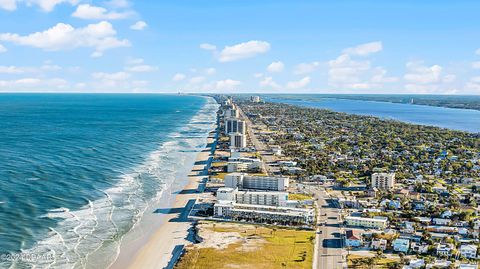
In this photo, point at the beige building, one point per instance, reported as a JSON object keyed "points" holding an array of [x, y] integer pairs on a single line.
{"points": [[383, 181]]}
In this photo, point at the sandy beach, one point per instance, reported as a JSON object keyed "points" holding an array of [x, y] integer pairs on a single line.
{"points": [[157, 250]]}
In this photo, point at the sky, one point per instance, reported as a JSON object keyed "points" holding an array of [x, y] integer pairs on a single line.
{"points": [[240, 46]]}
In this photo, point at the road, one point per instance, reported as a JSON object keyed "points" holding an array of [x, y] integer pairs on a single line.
{"points": [[329, 252], [261, 148], [329, 240]]}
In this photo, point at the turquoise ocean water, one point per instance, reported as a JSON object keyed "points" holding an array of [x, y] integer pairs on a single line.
{"points": [[77, 171]]}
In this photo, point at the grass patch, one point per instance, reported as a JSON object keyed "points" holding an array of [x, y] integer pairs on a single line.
{"points": [[360, 262], [220, 175], [299, 196], [280, 248]]}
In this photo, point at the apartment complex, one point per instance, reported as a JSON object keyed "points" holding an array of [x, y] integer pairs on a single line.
{"points": [[383, 181], [244, 181], [238, 140], [235, 126], [376, 223]]}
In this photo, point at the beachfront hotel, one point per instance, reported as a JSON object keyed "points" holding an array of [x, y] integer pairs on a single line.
{"points": [[245, 181], [235, 126], [264, 214], [269, 198], [238, 140]]}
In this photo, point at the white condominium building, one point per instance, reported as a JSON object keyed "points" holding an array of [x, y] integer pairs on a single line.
{"points": [[238, 140], [377, 223], [235, 126], [244, 181], [268, 198], [383, 181], [231, 113]]}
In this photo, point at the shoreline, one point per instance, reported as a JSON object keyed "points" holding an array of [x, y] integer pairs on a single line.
{"points": [[169, 231]]}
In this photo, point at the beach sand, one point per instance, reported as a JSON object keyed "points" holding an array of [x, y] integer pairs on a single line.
{"points": [[156, 251]]}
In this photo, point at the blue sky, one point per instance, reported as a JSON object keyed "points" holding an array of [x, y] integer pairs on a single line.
{"points": [[347, 46]]}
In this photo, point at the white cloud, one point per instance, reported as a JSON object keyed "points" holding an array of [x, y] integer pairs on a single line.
{"points": [[33, 84], [275, 67], [49, 5], [418, 73], [139, 25], [118, 3], [476, 65], [298, 84], [2, 48], [197, 79], [305, 68], [11, 70], [227, 84], [269, 82], [46, 67], [257, 75], [143, 68], [379, 76], [100, 36], [135, 61], [45, 5], [344, 70], [88, 12], [111, 76], [364, 49], [243, 50], [210, 71], [473, 85], [207, 46], [9, 5], [477, 52], [179, 77], [427, 79]]}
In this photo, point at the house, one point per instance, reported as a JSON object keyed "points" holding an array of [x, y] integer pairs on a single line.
{"points": [[439, 221], [353, 238], [401, 245], [419, 248], [468, 251], [467, 266], [407, 227], [446, 214], [416, 263], [379, 244], [444, 249]]}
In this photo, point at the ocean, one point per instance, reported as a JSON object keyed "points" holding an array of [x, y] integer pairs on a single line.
{"points": [[467, 120], [78, 171]]}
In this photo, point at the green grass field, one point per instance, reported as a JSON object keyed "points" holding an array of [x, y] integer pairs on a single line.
{"points": [[280, 248]]}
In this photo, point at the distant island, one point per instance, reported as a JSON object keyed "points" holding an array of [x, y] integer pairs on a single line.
{"points": [[450, 101]]}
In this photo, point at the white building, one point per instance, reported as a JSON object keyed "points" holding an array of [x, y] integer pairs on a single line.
{"points": [[235, 126], [255, 99], [264, 214], [376, 223], [383, 181], [238, 140], [269, 198], [240, 166], [231, 113], [244, 181], [226, 194], [468, 251]]}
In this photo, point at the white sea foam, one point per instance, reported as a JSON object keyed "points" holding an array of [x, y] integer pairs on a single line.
{"points": [[94, 232]]}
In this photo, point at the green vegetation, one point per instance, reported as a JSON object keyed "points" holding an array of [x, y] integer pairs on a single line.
{"points": [[299, 196], [279, 248]]}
